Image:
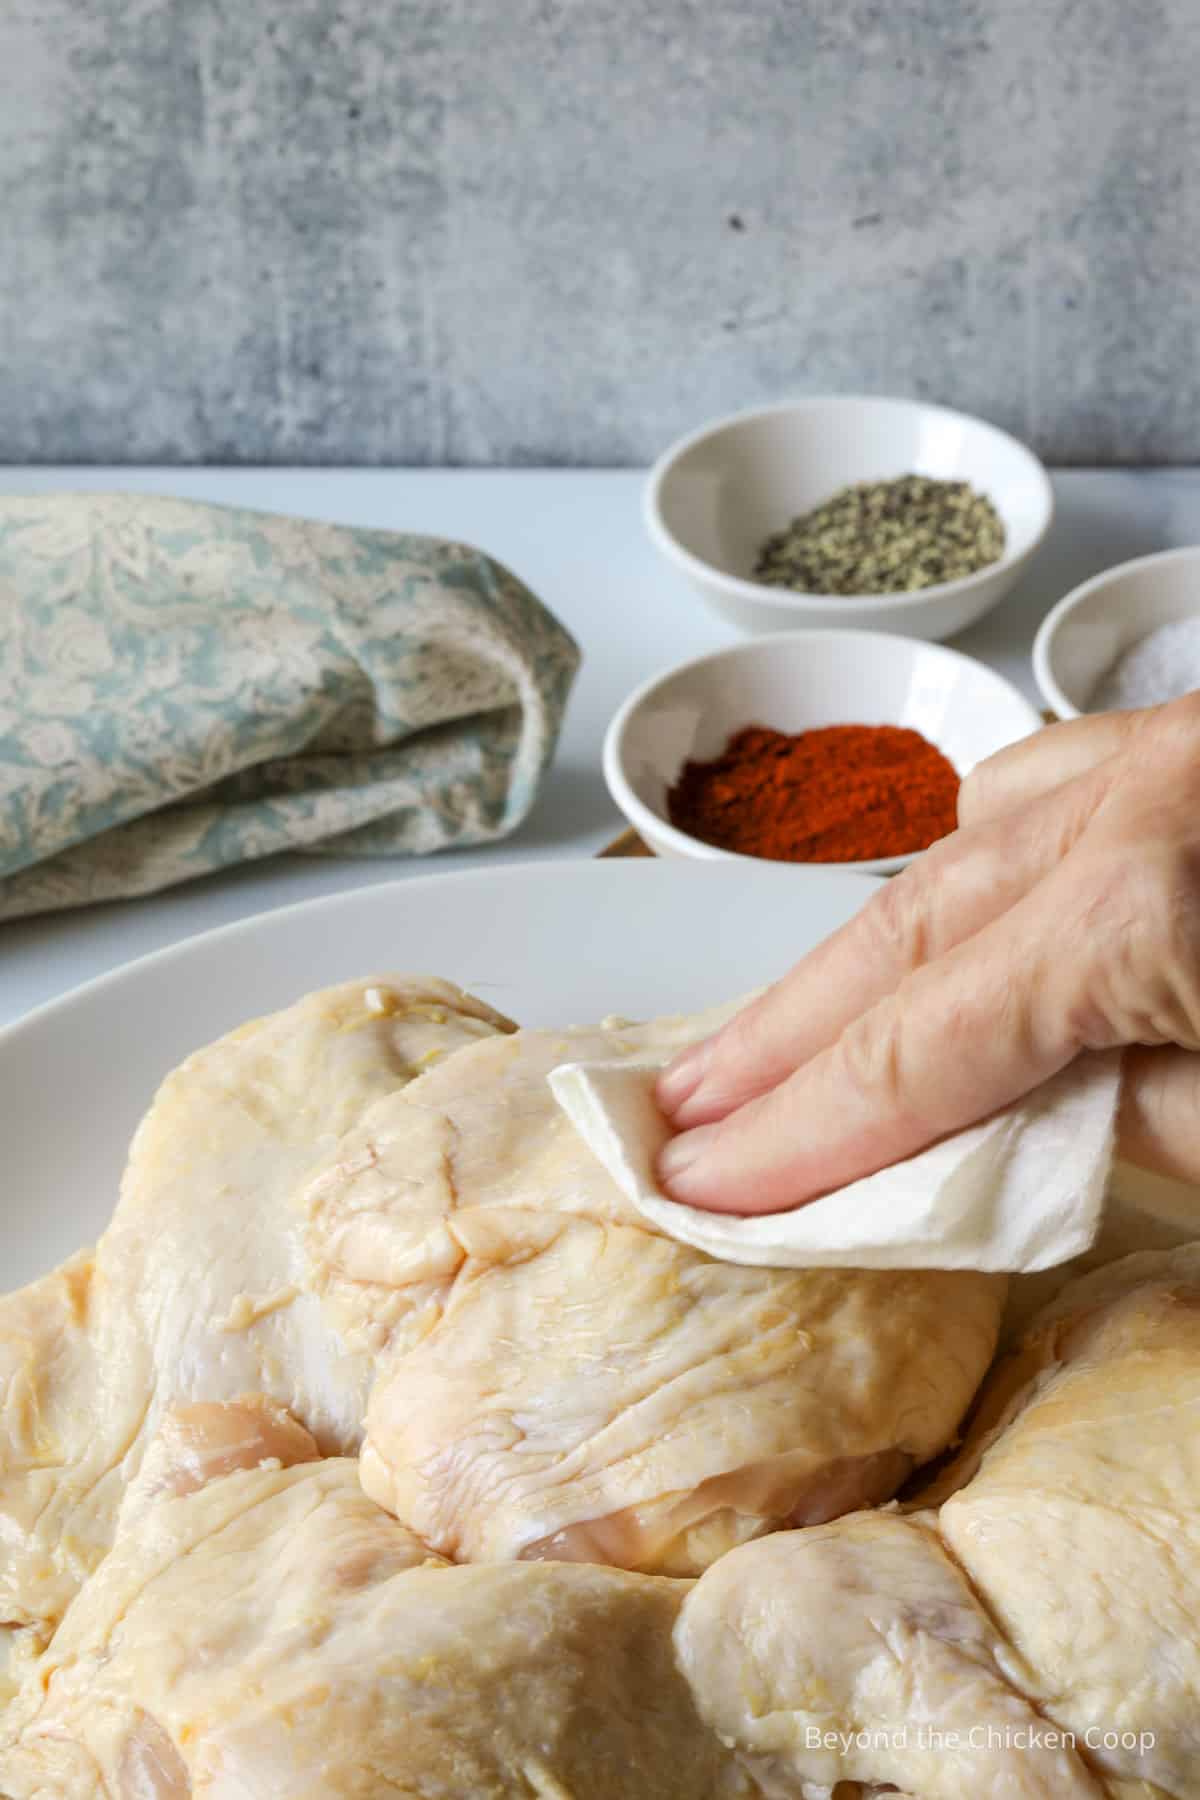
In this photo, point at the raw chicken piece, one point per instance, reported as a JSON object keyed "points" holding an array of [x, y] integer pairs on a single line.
{"points": [[273, 1633], [1081, 1530], [857, 1651], [196, 1289], [1075, 1551], [557, 1380]]}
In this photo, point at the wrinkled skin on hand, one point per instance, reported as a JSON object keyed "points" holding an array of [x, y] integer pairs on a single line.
{"points": [[1062, 916]]}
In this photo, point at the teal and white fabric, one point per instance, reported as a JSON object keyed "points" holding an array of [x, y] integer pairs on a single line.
{"points": [[184, 687]]}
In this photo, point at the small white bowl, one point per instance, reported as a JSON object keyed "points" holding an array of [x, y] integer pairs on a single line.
{"points": [[1082, 637], [714, 498], [793, 681]]}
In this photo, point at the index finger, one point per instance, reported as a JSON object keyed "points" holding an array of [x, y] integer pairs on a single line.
{"points": [[958, 1039]]}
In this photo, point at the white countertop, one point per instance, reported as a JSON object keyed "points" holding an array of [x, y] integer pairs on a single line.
{"points": [[575, 537]]}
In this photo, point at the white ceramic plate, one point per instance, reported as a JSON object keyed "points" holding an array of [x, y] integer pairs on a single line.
{"points": [[549, 944]]}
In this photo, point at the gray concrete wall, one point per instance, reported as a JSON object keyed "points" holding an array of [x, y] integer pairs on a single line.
{"points": [[562, 231]]}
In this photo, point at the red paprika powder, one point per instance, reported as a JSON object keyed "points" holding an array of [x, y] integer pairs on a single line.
{"points": [[841, 793]]}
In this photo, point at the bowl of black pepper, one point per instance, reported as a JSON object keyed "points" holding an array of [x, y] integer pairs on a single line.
{"points": [[867, 512]]}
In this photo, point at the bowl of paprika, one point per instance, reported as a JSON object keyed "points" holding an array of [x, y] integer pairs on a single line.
{"points": [[823, 747]]}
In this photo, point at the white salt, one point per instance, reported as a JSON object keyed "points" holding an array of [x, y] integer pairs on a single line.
{"points": [[1161, 666]]}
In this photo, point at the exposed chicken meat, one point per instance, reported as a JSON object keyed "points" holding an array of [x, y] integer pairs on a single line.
{"points": [[199, 1443], [1056, 1592], [273, 1633]]}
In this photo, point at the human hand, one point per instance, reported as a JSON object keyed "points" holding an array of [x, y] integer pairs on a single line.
{"points": [[1062, 916]]}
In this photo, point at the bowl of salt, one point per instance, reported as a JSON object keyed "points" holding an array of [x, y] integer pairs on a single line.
{"points": [[1130, 637]]}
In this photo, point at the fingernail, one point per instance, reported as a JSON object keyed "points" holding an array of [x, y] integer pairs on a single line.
{"points": [[680, 1161], [680, 1078]]}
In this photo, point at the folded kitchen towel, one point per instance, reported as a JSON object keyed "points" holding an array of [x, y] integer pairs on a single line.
{"points": [[184, 687], [1023, 1191]]}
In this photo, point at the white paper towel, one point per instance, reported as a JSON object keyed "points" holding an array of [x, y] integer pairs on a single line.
{"points": [[1022, 1191]]}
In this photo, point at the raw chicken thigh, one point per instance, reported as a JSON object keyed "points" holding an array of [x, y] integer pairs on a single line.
{"points": [[196, 1290], [271, 1632], [556, 1380], [1036, 1636]]}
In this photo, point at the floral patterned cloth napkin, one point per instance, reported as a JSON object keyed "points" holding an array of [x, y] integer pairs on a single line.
{"points": [[184, 687]]}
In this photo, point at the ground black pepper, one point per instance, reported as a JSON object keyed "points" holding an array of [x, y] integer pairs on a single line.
{"points": [[885, 537]]}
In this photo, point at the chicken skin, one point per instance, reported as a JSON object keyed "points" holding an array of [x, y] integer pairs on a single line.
{"points": [[197, 1290], [555, 1379], [261, 1629], [1035, 1635]]}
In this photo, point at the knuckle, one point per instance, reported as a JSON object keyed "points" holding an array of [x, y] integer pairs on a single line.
{"points": [[870, 1059], [741, 1040], [974, 793], [1174, 732], [1140, 981], [732, 1069], [896, 923], [1166, 943]]}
